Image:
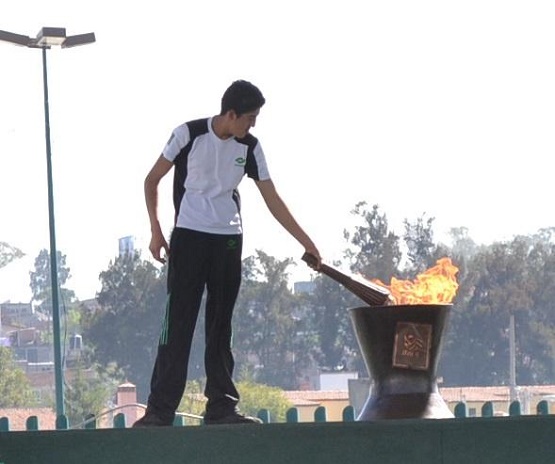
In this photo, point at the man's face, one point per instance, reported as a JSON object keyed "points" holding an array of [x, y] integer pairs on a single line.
{"points": [[242, 124]]}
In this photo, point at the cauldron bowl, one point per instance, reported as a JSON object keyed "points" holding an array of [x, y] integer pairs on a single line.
{"points": [[400, 345]]}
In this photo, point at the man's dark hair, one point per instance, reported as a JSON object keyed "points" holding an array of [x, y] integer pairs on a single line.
{"points": [[242, 96]]}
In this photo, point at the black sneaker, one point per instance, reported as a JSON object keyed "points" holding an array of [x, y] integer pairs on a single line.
{"points": [[152, 420], [232, 418]]}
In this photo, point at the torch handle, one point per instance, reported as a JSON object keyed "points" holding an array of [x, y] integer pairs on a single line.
{"points": [[369, 292]]}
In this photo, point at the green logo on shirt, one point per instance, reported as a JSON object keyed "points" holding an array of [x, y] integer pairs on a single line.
{"points": [[232, 244], [240, 161]]}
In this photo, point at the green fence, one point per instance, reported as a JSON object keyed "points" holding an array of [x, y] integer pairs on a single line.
{"points": [[292, 416]]}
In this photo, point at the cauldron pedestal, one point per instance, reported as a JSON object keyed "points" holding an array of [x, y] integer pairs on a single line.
{"points": [[400, 345]]}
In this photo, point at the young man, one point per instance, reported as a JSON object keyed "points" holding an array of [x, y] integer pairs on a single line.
{"points": [[210, 157]]}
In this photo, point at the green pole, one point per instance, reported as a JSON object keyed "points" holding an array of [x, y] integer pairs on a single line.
{"points": [[58, 368]]}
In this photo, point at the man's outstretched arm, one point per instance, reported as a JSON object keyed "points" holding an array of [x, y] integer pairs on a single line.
{"points": [[281, 212]]}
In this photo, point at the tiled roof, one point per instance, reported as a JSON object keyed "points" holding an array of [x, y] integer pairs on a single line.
{"points": [[302, 402], [18, 417], [499, 393], [127, 385], [449, 394], [316, 395]]}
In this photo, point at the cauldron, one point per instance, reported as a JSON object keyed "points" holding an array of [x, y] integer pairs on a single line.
{"points": [[400, 345]]}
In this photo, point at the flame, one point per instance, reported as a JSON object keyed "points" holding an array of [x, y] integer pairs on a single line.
{"points": [[436, 285]]}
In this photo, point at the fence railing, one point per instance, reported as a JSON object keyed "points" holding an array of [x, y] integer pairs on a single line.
{"points": [[292, 416]]}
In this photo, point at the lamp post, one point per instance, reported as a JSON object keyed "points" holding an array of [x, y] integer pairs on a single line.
{"points": [[46, 38]]}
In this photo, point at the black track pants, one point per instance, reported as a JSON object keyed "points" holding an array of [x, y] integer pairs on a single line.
{"points": [[197, 261]]}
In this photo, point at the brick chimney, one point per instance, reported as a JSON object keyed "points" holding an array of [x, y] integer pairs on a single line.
{"points": [[127, 394]]}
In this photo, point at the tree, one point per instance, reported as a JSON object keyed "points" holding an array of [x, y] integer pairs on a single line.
{"points": [[15, 389], [499, 284], [463, 246], [265, 322], [8, 254], [89, 391], [375, 251], [256, 396], [538, 349], [41, 281], [541, 260], [126, 328], [330, 322], [422, 251]]}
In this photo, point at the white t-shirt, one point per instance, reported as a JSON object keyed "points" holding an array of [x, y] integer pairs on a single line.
{"points": [[207, 173]]}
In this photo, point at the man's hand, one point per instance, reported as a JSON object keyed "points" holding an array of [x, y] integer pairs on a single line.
{"points": [[312, 258], [157, 244]]}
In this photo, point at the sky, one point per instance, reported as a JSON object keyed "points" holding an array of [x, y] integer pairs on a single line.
{"points": [[439, 109]]}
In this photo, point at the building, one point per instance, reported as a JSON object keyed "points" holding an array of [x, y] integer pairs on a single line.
{"points": [[303, 287], [307, 401], [126, 245], [17, 314]]}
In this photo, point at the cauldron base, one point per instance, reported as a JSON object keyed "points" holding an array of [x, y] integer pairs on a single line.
{"points": [[401, 345], [405, 406]]}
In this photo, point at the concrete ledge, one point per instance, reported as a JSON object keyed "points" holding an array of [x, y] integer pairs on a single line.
{"points": [[524, 439]]}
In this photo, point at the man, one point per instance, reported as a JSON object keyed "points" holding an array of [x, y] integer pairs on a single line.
{"points": [[210, 157]]}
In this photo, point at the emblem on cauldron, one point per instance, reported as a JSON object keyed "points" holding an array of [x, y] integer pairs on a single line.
{"points": [[412, 345]]}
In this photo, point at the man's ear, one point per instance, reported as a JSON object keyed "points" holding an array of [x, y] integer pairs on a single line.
{"points": [[231, 114]]}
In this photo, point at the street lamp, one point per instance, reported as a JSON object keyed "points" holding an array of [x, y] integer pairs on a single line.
{"points": [[46, 38]]}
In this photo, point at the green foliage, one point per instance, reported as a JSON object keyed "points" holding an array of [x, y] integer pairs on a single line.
{"points": [[422, 251], [193, 400], [503, 279], [463, 247], [125, 329], [255, 396], [9, 253], [89, 390], [15, 389], [330, 322], [40, 281], [265, 321], [375, 251]]}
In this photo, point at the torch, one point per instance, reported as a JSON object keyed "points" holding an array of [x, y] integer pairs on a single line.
{"points": [[369, 292]]}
